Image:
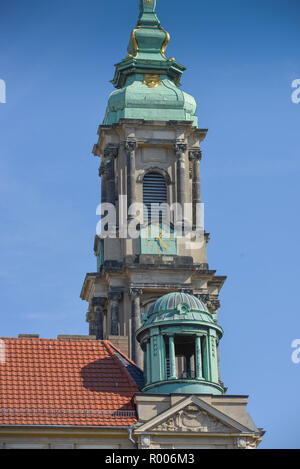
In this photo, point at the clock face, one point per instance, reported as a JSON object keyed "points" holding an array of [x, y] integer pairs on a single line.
{"points": [[158, 239]]}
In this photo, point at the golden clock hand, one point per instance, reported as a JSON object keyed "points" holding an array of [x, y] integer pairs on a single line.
{"points": [[161, 242], [163, 245]]}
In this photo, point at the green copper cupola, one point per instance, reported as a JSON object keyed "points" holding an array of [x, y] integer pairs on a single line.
{"points": [[148, 16], [180, 339], [147, 82]]}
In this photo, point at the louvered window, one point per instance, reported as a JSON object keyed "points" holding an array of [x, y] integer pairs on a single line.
{"points": [[154, 194]]}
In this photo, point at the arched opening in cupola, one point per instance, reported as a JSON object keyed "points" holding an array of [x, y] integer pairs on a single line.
{"points": [[183, 360], [186, 357]]}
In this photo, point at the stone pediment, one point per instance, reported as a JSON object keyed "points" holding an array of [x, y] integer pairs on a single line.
{"points": [[193, 419], [193, 415]]}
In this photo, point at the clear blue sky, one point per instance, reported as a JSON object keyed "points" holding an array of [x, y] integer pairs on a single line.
{"points": [[57, 59]]}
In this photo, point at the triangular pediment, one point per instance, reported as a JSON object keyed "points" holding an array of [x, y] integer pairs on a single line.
{"points": [[193, 415]]}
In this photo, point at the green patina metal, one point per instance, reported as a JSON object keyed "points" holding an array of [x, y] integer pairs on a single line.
{"points": [[148, 13], [179, 327], [184, 387], [147, 81], [172, 303]]}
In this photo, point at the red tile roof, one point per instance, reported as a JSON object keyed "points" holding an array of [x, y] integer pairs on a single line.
{"points": [[64, 382]]}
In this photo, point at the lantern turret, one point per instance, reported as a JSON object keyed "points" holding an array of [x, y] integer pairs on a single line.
{"points": [[180, 338]]}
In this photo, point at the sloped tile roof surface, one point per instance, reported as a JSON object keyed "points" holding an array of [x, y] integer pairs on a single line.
{"points": [[64, 382], [135, 372]]}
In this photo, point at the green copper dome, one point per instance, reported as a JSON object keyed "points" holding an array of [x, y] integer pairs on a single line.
{"points": [[180, 338], [147, 81], [171, 301], [178, 307], [136, 100]]}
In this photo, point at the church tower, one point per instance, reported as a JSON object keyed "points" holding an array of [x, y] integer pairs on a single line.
{"points": [[154, 295], [149, 145]]}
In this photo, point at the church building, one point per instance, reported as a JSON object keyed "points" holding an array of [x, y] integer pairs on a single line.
{"points": [[148, 374]]}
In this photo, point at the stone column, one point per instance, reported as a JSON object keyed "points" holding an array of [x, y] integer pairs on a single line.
{"points": [[98, 304], [102, 175], [115, 298], [90, 318], [136, 351], [148, 363], [130, 146], [198, 358], [190, 366], [195, 157], [172, 358], [180, 149], [206, 359], [110, 154]]}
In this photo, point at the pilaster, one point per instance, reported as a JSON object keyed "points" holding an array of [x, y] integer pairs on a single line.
{"points": [[110, 153], [180, 149], [115, 298], [136, 351], [130, 147], [195, 156], [98, 304]]}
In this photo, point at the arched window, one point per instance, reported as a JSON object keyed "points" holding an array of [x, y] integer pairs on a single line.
{"points": [[154, 192]]}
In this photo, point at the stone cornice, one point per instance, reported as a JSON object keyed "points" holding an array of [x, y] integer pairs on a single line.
{"points": [[88, 284], [113, 134], [217, 281]]}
